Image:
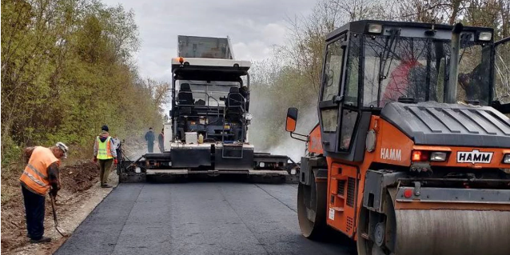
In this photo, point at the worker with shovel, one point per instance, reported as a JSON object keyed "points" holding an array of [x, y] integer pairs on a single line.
{"points": [[41, 173]]}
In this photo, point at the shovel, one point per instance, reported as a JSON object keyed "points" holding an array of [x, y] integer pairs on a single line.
{"points": [[55, 216]]}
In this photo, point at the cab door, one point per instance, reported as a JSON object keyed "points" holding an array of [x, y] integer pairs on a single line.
{"points": [[502, 77], [330, 102]]}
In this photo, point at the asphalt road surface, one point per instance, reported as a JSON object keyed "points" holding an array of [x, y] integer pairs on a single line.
{"points": [[197, 218]]}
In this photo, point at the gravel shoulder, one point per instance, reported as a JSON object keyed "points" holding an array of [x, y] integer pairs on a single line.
{"points": [[79, 195]]}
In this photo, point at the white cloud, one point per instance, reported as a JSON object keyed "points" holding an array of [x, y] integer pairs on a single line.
{"points": [[256, 50], [274, 33], [254, 27]]}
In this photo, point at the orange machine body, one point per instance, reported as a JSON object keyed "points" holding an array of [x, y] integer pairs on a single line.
{"points": [[346, 179], [314, 141]]}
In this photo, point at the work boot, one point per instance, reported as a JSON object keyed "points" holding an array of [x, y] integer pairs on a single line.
{"points": [[106, 186], [43, 239]]}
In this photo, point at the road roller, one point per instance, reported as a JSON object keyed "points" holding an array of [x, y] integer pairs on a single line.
{"points": [[411, 153]]}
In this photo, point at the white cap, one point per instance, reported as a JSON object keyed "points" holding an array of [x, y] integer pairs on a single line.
{"points": [[63, 147]]}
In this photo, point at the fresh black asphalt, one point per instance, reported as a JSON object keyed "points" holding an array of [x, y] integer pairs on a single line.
{"points": [[197, 218]]}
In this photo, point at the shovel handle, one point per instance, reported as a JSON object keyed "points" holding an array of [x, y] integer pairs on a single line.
{"points": [[55, 215], [53, 208]]}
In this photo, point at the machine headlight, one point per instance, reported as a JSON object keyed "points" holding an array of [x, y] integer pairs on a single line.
{"points": [[375, 28], [485, 36], [438, 156], [506, 159], [423, 156]]}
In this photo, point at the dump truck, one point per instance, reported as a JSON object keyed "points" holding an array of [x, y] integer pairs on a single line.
{"points": [[411, 154], [208, 129]]}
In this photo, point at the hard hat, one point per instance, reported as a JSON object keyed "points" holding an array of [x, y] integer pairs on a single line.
{"points": [[63, 147]]}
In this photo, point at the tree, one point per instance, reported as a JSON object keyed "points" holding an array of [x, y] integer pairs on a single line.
{"points": [[292, 76], [67, 70]]}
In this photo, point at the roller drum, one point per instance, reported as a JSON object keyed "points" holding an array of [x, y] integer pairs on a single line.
{"points": [[452, 232]]}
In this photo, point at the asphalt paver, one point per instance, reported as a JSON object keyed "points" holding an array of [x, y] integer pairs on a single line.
{"points": [[197, 218]]}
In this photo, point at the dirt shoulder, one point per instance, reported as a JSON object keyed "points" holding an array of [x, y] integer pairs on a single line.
{"points": [[79, 195]]}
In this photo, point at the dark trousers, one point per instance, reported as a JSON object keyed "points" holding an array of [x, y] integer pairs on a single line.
{"points": [[119, 154], [119, 158], [150, 146], [34, 211], [105, 166]]}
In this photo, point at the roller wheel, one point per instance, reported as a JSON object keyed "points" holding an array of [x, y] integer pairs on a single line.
{"points": [[376, 231], [312, 210], [438, 232]]}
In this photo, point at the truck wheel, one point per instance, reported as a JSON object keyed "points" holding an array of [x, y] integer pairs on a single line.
{"points": [[312, 210]]}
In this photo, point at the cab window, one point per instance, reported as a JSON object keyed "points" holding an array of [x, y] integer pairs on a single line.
{"points": [[349, 119], [332, 70]]}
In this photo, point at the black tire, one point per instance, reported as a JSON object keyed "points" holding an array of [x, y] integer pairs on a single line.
{"points": [[312, 198]]}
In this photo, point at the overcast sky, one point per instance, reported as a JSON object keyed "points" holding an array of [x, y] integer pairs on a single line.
{"points": [[254, 27]]}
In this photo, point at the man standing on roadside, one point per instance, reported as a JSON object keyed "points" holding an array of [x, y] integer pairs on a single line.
{"points": [[40, 173], [161, 140], [104, 151], [149, 137]]}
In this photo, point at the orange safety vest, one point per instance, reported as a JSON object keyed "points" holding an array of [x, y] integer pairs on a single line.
{"points": [[35, 175], [104, 149]]}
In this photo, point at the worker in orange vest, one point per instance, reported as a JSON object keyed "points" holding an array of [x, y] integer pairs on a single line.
{"points": [[40, 173], [104, 151]]}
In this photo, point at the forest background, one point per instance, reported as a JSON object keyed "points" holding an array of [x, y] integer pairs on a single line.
{"points": [[68, 68]]}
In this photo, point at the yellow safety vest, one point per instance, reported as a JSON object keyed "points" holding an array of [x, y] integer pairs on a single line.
{"points": [[104, 148]]}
